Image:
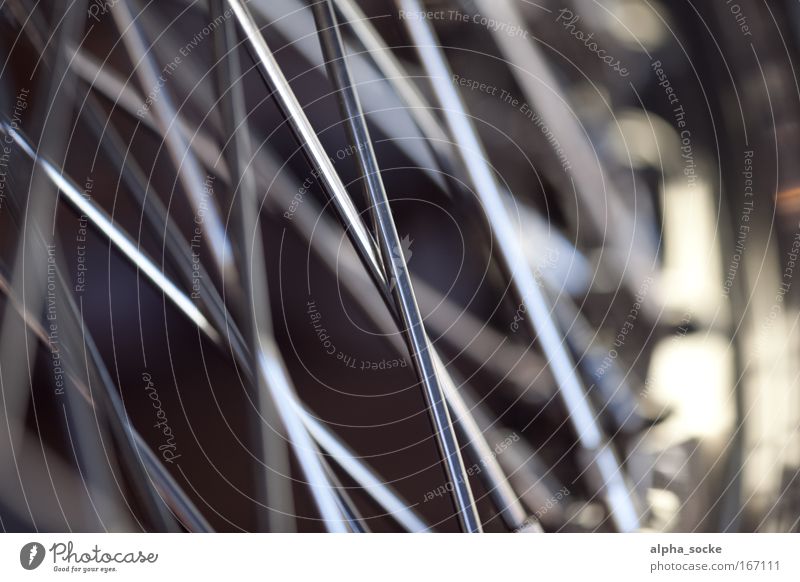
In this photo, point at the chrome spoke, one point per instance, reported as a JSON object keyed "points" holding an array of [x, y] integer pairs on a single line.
{"points": [[389, 243], [181, 153], [600, 455], [269, 365]]}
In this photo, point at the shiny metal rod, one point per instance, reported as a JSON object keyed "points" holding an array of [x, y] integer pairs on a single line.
{"points": [[389, 244], [255, 313], [126, 98], [302, 127], [310, 141], [188, 168], [267, 364], [600, 456]]}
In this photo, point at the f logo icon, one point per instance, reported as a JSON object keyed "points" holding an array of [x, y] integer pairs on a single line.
{"points": [[31, 555]]}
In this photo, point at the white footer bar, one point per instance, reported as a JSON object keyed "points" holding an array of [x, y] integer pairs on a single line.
{"points": [[402, 557]]}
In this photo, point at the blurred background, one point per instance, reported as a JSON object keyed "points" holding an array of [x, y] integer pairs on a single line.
{"points": [[492, 265]]}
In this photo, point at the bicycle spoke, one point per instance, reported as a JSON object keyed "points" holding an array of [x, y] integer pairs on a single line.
{"points": [[406, 303], [584, 421]]}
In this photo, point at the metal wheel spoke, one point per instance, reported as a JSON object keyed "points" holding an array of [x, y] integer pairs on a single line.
{"points": [[389, 242], [610, 479]]}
